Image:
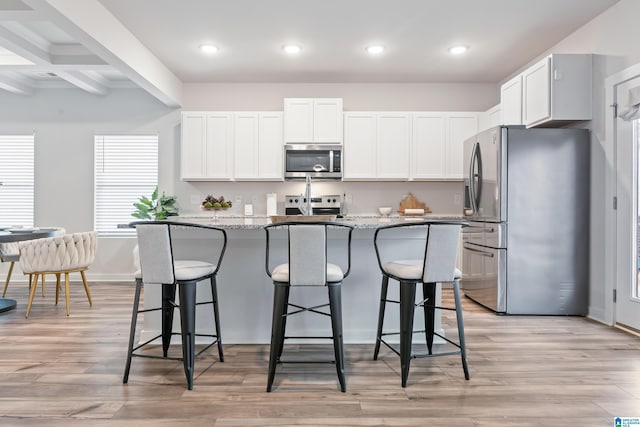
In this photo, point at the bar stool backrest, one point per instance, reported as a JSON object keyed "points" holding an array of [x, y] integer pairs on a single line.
{"points": [[307, 255], [441, 253], [156, 259]]}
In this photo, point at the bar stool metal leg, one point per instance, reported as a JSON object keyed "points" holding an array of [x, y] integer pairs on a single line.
{"points": [[134, 320], [429, 294], [188, 325], [407, 307], [216, 315], [277, 329], [335, 308], [287, 289], [460, 323], [168, 305], [383, 305]]}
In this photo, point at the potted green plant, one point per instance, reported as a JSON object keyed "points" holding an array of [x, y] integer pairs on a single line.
{"points": [[155, 208]]}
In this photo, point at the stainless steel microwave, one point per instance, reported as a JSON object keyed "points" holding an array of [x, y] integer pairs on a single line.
{"points": [[321, 161]]}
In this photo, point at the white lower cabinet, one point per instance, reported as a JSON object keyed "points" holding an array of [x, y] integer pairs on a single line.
{"points": [[376, 146], [437, 144], [219, 146]]}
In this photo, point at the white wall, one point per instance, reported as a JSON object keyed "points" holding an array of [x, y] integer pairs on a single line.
{"points": [[64, 122], [356, 96]]}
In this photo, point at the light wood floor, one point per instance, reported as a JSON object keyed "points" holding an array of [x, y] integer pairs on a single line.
{"points": [[525, 371]]}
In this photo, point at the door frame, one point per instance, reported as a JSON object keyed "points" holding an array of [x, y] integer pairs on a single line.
{"points": [[611, 179]]}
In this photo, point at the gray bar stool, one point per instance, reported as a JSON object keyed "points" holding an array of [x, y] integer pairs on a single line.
{"points": [[436, 264], [307, 266], [158, 266]]}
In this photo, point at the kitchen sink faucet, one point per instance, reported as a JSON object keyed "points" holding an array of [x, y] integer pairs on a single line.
{"points": [[305, 200]]}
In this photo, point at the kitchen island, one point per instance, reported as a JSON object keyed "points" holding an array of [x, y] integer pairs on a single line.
{"points": [[245, 292]]}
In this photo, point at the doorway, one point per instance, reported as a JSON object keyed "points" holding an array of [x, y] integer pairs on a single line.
{"points": [[626, 94]]}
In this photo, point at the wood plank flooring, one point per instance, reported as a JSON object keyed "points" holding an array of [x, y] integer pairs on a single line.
{"points": [[525, 371]]}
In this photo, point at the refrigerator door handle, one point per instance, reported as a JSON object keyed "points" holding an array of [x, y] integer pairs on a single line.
{"points": [[472, 168], [478, 177], [478, 251]]}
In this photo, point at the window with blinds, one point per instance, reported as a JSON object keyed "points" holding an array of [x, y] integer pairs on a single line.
{"points": [[16, 179], [126, 167]]}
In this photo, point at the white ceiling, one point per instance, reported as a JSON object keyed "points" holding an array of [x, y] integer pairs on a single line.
{"points": [[155, 43]]}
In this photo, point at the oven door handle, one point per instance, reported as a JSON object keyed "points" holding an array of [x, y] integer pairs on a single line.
{"points": [[478, 251]]}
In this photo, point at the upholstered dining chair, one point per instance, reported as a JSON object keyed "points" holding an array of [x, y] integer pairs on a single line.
{"points": [[434, 262], [307, 265], [159, 266], [10, 252], [66, 254]]}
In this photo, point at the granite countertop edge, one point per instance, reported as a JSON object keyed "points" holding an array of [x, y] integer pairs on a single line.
{"points": [[357, 221]]}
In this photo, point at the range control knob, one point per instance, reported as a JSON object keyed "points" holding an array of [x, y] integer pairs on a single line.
{"points": [[334, 200], [296, 200]]}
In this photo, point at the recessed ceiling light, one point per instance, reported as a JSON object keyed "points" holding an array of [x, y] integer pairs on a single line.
{"points": [[458, 50], [375, 49], [209, 48], [292, 48]]}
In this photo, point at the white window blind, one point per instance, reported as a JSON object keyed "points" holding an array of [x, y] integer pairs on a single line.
{"points": [[16, 180], [126, 167]]}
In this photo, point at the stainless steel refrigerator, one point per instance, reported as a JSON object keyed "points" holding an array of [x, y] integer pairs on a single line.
{"points": [[526, 250]]}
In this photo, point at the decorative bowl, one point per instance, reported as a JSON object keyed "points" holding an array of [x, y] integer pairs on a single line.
{"points": [[385, 210]]}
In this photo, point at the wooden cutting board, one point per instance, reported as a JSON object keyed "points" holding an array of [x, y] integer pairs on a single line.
{"points": [[410, 202]]}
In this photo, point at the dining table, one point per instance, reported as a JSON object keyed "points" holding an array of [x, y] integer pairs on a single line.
{"points": [[9, 235]]}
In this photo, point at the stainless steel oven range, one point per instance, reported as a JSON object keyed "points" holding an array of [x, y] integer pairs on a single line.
{"points": [[322, 205]]}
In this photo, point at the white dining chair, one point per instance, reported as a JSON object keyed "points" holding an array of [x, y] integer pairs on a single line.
{"points": [[10, 252], [66, 254]]}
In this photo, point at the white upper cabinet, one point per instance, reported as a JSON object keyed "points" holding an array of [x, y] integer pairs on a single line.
{"points": [[490, 118], [258, 147], [555, 89], [313, 120], [437, 144], [376, 146], [428, 145], [537, 92], [511, 102], [220, 146], [460, 126], [245, 145], [359, 151], [393, 146], [270, 147], [206, 148]]}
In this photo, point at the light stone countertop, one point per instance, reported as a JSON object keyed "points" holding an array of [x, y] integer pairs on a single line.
{"points": [[259, 221]]}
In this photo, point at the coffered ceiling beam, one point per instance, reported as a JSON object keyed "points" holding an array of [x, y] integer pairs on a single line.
{"points": [[22, 47], [95, 27], [84, 82], [14, 85]]}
